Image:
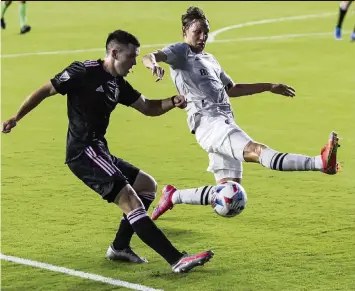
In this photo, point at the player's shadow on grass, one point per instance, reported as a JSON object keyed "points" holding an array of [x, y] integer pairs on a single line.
{"points": [[168, 275], [177, 233]]}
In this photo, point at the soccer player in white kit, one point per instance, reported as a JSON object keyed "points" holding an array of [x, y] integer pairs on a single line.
{"points": [[200, 78]]}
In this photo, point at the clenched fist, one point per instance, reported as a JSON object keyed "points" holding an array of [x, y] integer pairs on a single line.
{"points": [[8, 125], [179, 101]]}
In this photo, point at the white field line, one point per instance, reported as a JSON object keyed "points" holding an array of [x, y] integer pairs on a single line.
{"points": [[212, 36], [75, 273], [73, 51], [275, 37]]}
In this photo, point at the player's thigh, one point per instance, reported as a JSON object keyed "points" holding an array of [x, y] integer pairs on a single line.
{"points": [[234, 144], [100, 174], [130, 171], [141, 181], [212, 131], [225, 167]]}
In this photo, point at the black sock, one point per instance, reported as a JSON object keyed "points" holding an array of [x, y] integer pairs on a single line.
{"points": [[125, 230], [342, 14], [151, 235]]}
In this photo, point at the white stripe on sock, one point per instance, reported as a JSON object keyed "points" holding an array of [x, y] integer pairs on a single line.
{"points": [[136, 214], [133, 220]]}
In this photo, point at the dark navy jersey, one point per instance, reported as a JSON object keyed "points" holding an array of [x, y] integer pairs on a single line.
{"points": [[92, 94]]}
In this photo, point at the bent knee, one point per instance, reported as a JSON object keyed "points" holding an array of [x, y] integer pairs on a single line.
{"points": [[128, 200], [252, 151], [145, 183]]}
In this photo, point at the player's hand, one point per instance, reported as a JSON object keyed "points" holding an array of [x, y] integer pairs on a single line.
{"points": [[158, 71], [179, 101], [8, 125], [283, 89]]}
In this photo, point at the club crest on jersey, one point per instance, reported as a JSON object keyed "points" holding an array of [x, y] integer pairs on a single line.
{"points": [[114, 91], [64, 77]]}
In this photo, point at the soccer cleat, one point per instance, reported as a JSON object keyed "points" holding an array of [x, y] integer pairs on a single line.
{"points": [[25, 29], [352, 36], [337, 33], [329, 155], [3, 23], [188, 262], [126, 255], [165, 202]]}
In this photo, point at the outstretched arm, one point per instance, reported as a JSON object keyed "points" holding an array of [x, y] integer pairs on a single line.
{"points": [[174, 55], [151, 61], [28, 105], [238, 90], [158, 107]]}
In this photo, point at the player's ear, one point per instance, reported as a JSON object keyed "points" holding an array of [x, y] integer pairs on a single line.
{"points": [[114, 54]]}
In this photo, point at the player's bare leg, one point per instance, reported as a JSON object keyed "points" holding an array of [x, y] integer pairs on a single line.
{"points": [[352, 37], [146, 187], [23, 18], [253, 152], [343, 9], [326, 162], [4, 6], [192, 196], [151, 235]]}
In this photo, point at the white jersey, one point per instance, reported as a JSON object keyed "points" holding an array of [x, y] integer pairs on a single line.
{"points": [[200, 78]]}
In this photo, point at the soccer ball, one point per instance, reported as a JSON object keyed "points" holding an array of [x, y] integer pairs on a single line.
{"points": [[229, 199]]}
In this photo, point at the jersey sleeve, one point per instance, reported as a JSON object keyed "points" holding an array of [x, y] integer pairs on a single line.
{"points": [[128, 95], [176, 53], [71, 78], [226, 80]]}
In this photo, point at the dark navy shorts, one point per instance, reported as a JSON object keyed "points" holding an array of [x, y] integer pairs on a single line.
{"points": [[103, 172]]}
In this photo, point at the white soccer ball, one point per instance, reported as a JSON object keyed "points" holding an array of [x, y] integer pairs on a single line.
{"points": [[230, 199]]}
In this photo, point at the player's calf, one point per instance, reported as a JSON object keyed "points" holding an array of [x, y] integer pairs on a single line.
{"points": [[289, 162], [146, 188], [343, 9], [144, 227], [269, 158]]}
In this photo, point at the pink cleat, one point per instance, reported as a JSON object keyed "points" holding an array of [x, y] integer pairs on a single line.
{"points": [[188, 262], [165, 202], [329, 155]]}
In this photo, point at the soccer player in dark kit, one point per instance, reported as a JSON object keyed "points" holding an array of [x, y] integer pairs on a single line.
{"points": [[93, 89]]}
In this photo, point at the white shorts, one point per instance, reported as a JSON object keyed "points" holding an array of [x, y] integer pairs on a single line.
{"points": [[224, 141]]}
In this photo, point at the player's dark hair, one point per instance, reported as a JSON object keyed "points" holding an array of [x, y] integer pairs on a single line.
{"points": [[192, 14], [121, 37]]}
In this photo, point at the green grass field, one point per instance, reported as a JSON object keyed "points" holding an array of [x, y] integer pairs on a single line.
{"points": [[297, 232]]}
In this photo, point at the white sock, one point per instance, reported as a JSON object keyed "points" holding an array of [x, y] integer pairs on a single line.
{"points": [[274, 160], [195, 196], [343, 6]]}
